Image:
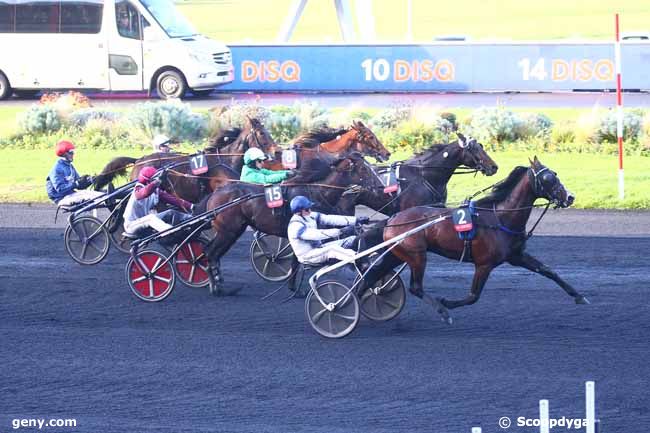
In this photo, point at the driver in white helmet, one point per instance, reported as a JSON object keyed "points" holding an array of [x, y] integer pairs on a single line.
{"points": [[161, 143], [311, 239], [253, 171]]}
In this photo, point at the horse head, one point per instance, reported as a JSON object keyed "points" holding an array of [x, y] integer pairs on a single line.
{"points": [[256, 135], [473, 155], [546, 184], [367, 142]]}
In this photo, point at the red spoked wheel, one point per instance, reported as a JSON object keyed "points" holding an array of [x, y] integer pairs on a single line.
{"points": [[192, 264], [153, 280]]}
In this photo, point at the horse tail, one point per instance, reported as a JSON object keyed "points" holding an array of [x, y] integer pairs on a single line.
{"points": [[117, 167]]}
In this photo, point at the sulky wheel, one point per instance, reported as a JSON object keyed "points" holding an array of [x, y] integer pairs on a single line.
{"points": [[119, 241], [192, 264], [86, 240], [329, 320], [385, 300], [272, 257], [152, 281]]}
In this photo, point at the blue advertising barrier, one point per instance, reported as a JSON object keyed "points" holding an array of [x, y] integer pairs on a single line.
{"points": [[459, 67]]}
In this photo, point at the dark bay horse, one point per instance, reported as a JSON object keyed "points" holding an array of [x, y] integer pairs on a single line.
{"points": [[329, 144], [231, 224], [423, 178], [226, 149], [500, 235]]}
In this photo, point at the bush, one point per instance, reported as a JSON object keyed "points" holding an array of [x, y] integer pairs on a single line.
{"points": [[65, 103], [40, 119], [234, 116], [288, 122], [171, 118], [80, 118], [284, 124], [632, 127], [391, 118], [534, 125], [413, 136], [494, 125]]}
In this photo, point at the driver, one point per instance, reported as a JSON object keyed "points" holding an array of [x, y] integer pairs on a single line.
{"points": [[161, 143], [64, 185], [140, 211], [253, 172], [307, 233], [124, 25]]}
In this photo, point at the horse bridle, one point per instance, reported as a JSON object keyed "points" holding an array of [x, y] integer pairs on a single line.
{"points": [[539, 189], [470, 146]]}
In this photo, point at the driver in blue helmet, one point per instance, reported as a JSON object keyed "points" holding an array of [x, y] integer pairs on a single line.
{"points": [[316, 237]]}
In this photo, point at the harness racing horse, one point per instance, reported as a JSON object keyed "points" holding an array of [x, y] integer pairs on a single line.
{"points": [[423, 179], [329, 144], [231, 224], [227, 148], [500, 235]]}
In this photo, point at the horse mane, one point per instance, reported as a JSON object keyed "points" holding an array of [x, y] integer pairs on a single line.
{"points": [[317, 136], [316, 170], [223, 139], [426, 155], [503, 189]]}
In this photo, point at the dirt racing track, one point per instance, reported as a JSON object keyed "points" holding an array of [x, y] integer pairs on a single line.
{"points": [[77, 344]]}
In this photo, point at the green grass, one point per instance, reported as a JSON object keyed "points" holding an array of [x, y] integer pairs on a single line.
{"points": [[8, 123], [592, 178], [260, 20], [22, 178]]}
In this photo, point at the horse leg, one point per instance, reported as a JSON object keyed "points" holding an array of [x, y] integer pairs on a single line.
{"points": [[481, 274], [529, 262], [417, 262], [217, 248]]}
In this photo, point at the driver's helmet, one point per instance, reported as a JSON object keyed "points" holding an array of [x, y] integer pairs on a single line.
{"points": [[300, 203], [160, 143], [63, 147], [253, 154], [146, 174]]}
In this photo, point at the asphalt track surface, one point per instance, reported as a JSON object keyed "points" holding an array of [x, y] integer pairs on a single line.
{"points": [[74, 343], [383, 100]]}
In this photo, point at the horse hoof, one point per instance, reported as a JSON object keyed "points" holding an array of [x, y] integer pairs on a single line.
{"points": [[444, 312], [582, 300]]}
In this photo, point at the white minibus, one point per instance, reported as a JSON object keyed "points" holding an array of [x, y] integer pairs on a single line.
{"points": [[115, 45]]}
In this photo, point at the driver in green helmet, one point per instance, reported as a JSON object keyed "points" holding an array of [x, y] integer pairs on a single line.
{"points": [[254, 173]]}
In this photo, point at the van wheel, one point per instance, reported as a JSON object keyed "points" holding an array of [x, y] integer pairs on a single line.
{"points": [[171, 84], [5, 88]]}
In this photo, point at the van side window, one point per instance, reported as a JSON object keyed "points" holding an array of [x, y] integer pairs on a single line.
{"points": [[38, 17], [7, 16], [127, 19], [77, 17]]}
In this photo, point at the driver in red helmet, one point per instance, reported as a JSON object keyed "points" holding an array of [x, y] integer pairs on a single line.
{"points": [[140, 211], [64, 185]]}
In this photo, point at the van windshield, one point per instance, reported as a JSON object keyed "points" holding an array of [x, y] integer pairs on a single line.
{"points": [[175, 24]]}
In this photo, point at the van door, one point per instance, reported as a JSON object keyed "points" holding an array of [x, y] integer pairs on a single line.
{"points": [[125, 49]]}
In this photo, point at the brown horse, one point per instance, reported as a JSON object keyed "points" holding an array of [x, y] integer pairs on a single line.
{"points": [[423, 178], [500, 235], [329, 144], [231, 224], [227, 149]]}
